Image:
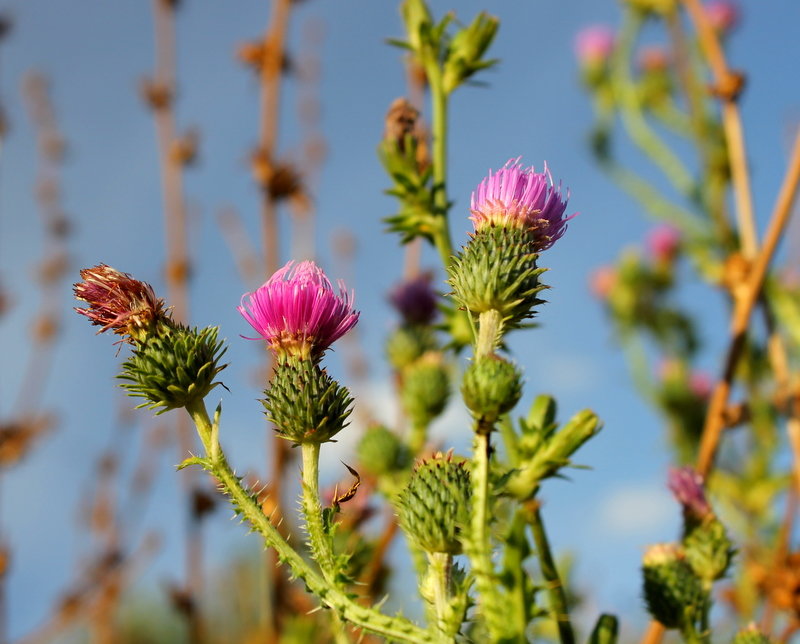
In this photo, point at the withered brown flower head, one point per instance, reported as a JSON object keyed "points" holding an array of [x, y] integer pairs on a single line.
{"points": [[117, 301], [401, 119]]}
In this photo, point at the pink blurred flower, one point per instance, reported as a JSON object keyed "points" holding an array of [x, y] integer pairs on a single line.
{"points": [[723, 15], [686, 486], [602, 281], [297, 311], [594, 44], [701, 384], [663, 243], [415, 300], [523, 198]]}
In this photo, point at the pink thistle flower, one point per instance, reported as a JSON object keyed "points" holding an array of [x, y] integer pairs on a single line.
{"points": [[594, 44], [723, 15], [700, 384], [686, 486], [663, 243], [653, 59], [297, 311], [523, 198], [118, 301], [415, 300]]}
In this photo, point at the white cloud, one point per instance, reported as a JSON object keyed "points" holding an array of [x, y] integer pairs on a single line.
{"points": [[636, 510]]}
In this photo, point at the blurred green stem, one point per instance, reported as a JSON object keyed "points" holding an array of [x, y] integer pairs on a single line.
{"points": [[441, 236], [441, 568], [555, 588]]}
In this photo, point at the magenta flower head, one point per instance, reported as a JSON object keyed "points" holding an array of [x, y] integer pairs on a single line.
{"points": [[517, 197], [298, 313], [686, 486], [723, 15], [415, 300], [594, 44], [663, 243]]}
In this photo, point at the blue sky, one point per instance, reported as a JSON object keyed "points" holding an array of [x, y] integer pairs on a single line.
{"points": [[96, 53]]}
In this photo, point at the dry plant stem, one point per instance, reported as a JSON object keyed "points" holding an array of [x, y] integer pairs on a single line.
{"points": [[393, 628], [743, 309], [782, 549], [654, 633], [177, 268], [732, 124], [555, 588]]}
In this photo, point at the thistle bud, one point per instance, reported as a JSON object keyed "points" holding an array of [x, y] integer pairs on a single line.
{"points": [[606, 630], [175, 368], [673, 593], [687, 487], [491, 387], [751, 635], [305, 404], [409, 343], [434, 508], [708, 549], [415, 300], [426, 389], [381, 452]]}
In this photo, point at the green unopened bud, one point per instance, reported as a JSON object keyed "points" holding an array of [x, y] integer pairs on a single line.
{"points": [[497, 270], [305, 403], [606, 630], [426, 389], [491, 387], [418, 23], [673, 592], [174, 368], [466, 49], [751, 635], [408, 343], [708, 549], [381, 452], [434, 507]]}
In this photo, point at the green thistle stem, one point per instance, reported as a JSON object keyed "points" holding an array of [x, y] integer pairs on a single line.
{"points": [[555, 588], [490, 329], [441, 567], [392, 628], [441, 236], [417, 437]]}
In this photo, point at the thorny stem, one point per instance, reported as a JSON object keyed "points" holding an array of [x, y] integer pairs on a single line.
{"points": [[393, 628], [555, 587], [715, 416], [441, 567], [441, 236]]}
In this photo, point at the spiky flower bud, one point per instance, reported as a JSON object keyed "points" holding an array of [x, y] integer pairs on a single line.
{"points": [[409, 343], [434, 507], [119, 302], [491, 387], [708, 549], [381, 452], [751, 635], [175, 368], [672, 591], [497, 270], [305, 403], [426, 389], [415, 300]]}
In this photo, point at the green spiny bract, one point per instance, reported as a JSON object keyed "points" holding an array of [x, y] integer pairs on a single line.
{"points": [[497, 270], [175, 367], [673, 592], [426, 389], [381, 452], [408, 343], [708, 549], [434, 507], [491, 387], [305, 403], [751, 635]]}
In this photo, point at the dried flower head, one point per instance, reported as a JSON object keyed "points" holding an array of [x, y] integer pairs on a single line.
{"points": [[517, 197], [654, 59], [415, 300], [686, 486], [297, 311], [594, 44], [602, 281], [117, 301]]}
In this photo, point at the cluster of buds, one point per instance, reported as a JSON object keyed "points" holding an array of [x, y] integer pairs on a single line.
{"points": [[299, 315], [516, 213], [171, 366]]}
